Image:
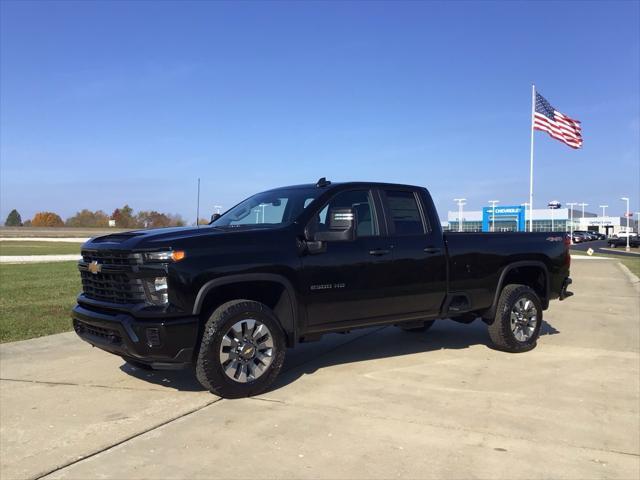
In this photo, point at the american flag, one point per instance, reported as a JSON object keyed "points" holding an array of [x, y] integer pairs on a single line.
{"points": [[556, 124]]}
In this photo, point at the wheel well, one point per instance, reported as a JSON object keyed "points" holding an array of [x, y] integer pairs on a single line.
{"points": [[272, 294], [530, 275]]}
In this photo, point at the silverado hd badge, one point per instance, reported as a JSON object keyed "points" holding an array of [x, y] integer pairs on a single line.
{"points": [[94, 267]]}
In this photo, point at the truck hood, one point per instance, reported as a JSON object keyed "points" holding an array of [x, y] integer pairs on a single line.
{"points": [[164, 237]]}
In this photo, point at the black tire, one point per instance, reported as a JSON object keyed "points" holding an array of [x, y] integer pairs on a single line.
{"points": [[422, 328], [501, 332], [612, 245], [209, 368], [136, 363]]}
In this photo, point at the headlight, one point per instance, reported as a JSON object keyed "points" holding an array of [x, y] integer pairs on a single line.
{"points": [[168, 256], [157, 291]]}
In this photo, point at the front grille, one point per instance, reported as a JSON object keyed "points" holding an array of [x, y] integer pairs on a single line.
{"points": [[112, 287], [106, 334], [111, 257], [113, 284]]}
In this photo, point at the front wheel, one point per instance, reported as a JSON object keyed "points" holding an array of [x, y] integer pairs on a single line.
{"points": [[516, 326], [242, 350]]}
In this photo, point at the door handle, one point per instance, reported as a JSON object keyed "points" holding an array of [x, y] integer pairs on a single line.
{"points": [[379, 252], [431, 250]]}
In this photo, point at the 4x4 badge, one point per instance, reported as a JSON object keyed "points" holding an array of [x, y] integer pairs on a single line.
{"points": [[94, 267]]}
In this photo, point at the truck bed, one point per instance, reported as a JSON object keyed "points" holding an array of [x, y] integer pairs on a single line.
{"points": [[477, 261]]}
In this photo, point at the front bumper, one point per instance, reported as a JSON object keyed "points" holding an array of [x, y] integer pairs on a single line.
{"points": [[160, 343]]}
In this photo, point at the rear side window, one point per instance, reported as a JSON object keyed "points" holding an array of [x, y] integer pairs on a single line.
{"points": [[405, 212]]}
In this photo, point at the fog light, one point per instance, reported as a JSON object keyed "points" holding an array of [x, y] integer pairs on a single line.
{"points": [[153, 337]]}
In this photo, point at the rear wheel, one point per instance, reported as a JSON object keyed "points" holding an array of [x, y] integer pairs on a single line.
{"points": [[516, 326], [242, 350]]}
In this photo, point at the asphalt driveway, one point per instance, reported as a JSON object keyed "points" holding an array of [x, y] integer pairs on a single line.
{"points": [[377, 403]]}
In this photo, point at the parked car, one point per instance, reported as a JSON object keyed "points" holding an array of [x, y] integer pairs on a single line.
{"points": [[288, 265], [579, 237], [634, 242], [591, 235]]}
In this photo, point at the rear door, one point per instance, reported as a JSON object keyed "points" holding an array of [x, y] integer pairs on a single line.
{"points": [[418, 271]]}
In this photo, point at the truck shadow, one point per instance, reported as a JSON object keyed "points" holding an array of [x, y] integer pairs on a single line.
{"points": [[182, 380], [384, 342], [339, 349]]}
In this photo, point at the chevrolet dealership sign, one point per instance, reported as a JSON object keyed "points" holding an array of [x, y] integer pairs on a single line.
{"points": [[511, 217]]}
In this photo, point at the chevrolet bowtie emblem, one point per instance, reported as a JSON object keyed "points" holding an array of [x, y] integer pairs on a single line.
{"points": [[94, 267]]}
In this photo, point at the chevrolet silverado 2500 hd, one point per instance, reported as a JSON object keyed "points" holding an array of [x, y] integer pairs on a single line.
{"points": [[290, 264]]}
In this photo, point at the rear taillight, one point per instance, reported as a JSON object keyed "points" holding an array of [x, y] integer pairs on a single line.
{"points": [[567, 244]]}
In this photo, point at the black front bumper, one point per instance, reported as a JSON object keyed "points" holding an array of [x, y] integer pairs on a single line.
{"points": [[160, 343]]}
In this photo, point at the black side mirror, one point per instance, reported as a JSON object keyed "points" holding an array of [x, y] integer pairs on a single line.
{"points": [[342, 223], [215, 216]]}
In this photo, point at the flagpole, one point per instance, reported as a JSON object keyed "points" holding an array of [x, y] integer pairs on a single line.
{"points": [[533, 109]]}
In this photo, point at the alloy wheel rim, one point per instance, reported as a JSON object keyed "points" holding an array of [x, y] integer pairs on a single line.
{"points": [[524, 319], [246, 350]]}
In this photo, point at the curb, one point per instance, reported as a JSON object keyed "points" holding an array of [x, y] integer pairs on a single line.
{"points": [[635, 281], [13, 259]]}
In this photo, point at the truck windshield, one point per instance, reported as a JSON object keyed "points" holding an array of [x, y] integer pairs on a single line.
{"points": [[269, 209]]}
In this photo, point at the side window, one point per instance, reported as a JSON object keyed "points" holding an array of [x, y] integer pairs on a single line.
{"points": [[405, 212], [362, 204]]}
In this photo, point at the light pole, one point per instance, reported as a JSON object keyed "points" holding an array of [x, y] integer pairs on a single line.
{"points": [[526, 206], [583, 205], [493, 214], [553, 204], [604, 210], [461, 203], [603, 223], [263, 205], [626, 199], [571, 204]]}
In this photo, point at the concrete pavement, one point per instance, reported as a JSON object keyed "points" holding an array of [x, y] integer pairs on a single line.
{"points": [[377, 403]]}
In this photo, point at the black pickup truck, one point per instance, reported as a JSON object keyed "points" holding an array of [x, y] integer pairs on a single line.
{"points": [[291, 264]]}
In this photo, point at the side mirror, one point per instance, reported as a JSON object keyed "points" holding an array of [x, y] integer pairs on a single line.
{"points": [[215, 216], [342, 223]]}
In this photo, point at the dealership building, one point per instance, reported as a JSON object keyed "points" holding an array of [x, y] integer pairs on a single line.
{"points": [[515, 218]]}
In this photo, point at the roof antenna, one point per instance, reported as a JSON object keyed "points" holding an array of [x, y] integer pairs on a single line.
{"points": [[323, 182]]}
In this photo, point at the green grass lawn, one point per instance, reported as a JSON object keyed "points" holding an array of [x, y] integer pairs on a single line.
{"points": [[632, 262], [11, 247], [36, 299]]}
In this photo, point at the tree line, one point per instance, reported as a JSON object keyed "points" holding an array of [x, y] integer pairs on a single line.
{"points": [[124, 217]]}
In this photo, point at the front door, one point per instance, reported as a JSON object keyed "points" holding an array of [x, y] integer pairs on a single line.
{"points": [[337, 283]]}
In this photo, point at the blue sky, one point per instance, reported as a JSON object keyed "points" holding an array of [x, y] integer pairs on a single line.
{"points": [[106, 103]]}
